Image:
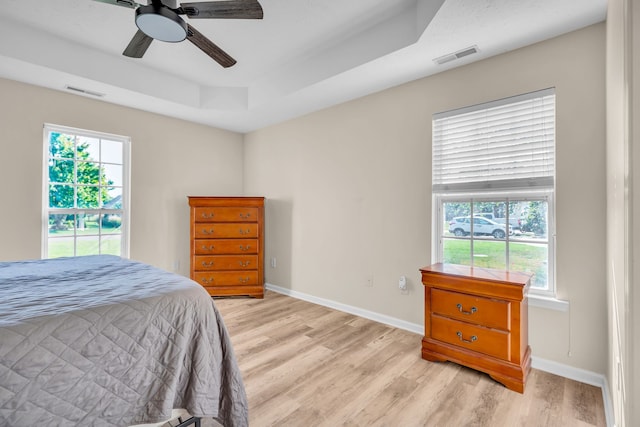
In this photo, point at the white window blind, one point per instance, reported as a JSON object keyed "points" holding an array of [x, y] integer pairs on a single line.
{"points": [[509, 143]]}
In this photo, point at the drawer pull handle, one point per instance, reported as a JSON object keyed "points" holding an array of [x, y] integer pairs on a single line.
{"points": [[205, 231], [245, 216], [245, 248], [207, 281], [243, 279], [207, 264], [245, 232], [473, 337], [244, 263], [207, 215], [208, 248], [473, 310]]}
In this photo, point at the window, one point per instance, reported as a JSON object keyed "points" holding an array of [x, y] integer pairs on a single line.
{"points": [[493, 186], [85, 196]]}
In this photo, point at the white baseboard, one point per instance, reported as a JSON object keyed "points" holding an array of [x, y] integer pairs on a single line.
{"points": [[550, 366], [580, 375], [371, 315]]}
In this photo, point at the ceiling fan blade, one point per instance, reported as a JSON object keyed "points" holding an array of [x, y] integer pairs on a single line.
{"points": [[210, 48], [138, 45], [229, 9], [131, 4]]}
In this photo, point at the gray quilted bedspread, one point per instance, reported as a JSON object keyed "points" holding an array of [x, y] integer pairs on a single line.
{"points": [[104, 341]]}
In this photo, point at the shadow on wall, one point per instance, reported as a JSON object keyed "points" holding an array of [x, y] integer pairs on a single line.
{"points": [[278, 241]]}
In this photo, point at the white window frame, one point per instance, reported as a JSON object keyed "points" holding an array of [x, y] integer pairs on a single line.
{"points": [[532, 188], [438, 231], [126, 177]]}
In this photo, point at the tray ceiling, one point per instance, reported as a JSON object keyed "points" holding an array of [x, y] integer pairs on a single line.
{"points": [[303, 56]]}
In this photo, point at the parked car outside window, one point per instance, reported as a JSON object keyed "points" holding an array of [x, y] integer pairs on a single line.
{"points": [[461, 226]]}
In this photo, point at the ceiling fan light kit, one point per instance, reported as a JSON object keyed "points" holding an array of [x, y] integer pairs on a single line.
{"points": [[160, 20], [161, 23]]}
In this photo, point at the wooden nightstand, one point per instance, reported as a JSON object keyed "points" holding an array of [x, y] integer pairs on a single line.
{"points": [[478, 317]]}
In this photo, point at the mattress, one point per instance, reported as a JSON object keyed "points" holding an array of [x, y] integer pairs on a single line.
{"points": [[104, 341]]}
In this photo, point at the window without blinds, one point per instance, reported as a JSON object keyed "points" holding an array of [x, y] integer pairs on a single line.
{"points": [[508, 143], [85, 193]]}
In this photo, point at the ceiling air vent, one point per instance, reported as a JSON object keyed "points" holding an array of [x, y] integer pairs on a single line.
{"points": [[84, 91], [456, 55]]}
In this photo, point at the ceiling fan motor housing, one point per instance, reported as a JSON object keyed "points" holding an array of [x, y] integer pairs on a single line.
{"points": [[161, 23]]}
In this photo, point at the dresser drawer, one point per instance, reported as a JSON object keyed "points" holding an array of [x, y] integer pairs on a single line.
{"points": [[476, 338], [236, 290], [225, 262], [225, 214], [229, 278], [225, 246], [222, 230], [470, 308]]}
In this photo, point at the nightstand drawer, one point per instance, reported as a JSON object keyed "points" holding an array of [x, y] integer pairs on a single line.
{"points": [[226, 214], [225, 246], [222, 230], [225, 262], [476, 338], [470, 308]]}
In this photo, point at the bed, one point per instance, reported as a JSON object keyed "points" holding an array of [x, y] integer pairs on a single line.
{"points": [[104, 341]]}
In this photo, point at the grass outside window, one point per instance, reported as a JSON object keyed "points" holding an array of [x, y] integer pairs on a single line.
{"points": [[523, 256]]}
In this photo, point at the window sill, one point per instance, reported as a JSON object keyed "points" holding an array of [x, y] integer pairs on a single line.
{"points": [[548, 303]]}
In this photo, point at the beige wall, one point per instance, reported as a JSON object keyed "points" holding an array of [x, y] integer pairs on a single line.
{"points": [[170, 159], [348, 190]]}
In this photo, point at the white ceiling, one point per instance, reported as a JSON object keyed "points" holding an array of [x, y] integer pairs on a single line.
{"points": [[303, 56]]}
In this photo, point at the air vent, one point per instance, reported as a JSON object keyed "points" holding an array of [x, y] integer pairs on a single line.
{"points": [[84, 91], [456, 55]]}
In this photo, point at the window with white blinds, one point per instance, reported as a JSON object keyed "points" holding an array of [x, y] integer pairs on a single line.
{"points": [[493, 187], [505, 144]]}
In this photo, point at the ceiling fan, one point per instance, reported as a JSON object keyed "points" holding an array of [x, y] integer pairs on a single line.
{"points": [[160, 20]]}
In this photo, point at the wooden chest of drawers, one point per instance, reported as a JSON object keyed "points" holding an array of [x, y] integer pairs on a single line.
{"points": [[478, 318], [227, 241]]}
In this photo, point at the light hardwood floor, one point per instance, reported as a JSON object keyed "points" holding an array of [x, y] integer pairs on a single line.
{"points": [[308, 365]]}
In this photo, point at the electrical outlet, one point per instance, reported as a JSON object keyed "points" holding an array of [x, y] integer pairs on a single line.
{"points": [[402, 285], [369, 281], [176, 265], [273, 262]]}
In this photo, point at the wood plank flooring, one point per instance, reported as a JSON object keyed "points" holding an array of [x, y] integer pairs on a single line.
{"points": [[308, 365]]}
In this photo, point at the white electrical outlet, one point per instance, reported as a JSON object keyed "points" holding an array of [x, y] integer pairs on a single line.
{"points": [[273, 262], [369, 281], [402, 283]]}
